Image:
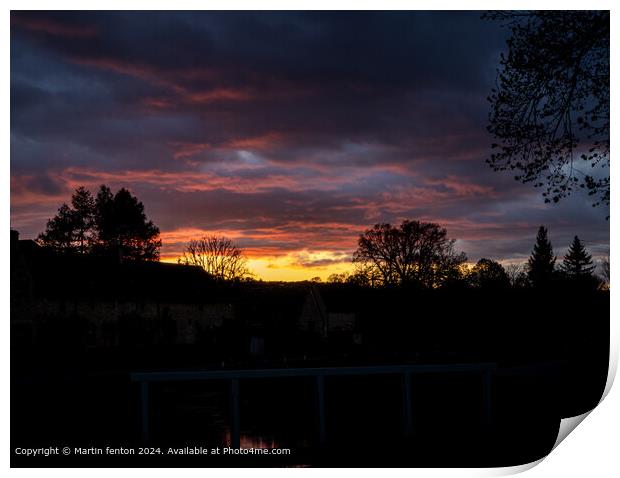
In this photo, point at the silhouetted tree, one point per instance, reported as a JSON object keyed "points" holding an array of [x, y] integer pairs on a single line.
{"points": [[489, 274], [364, 275], [123, 230], [552, 101], [71, 230], [414, 252], [541, 265], [218, 256], [59, 233], [577, 263], [110, 224], [84, 218], [517, 275], [338, 278]]}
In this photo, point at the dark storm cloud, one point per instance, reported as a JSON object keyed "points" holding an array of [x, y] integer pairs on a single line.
{"points": [[335, 74], [297, 130]]}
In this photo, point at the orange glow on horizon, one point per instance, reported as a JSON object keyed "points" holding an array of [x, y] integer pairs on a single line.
{"points": [[287, 267]]}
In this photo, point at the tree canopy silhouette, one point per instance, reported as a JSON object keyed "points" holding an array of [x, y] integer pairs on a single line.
{"points": [[71, 230], [414, 252], [218, 256], [489, 274], [517, 275], [110, 224], [122, 226], [84, 218], [550, 109], [577, 263], [541, 264], [59, 234], [338, 278]]}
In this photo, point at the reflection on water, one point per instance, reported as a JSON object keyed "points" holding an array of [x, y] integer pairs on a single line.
{"points": [[361, 413], [364, 418], [283, 413], [249, 439], [271, 416]]}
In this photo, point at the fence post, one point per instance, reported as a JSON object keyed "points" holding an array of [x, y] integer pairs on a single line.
{"points": [[235, 432], [320, 388], [486, 398], [407, 414], [144, 401]]}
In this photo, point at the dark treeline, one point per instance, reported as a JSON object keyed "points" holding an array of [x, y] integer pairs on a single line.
{"points": [[411, 293], [478, 313], [82, 322], [420, 255], [414, 254]]}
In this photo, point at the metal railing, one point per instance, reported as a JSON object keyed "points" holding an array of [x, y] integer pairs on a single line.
{"points": [[234, 376]]}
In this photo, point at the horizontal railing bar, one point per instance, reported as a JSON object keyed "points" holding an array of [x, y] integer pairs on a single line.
{"points": [[538, 368], [308, 372]]}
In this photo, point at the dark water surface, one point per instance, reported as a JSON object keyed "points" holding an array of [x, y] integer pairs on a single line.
{"points": [[365, 419]]}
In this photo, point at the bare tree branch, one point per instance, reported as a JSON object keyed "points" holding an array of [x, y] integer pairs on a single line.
{"points": [[218, 256]]}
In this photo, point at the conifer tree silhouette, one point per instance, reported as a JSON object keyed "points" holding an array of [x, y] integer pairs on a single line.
{"points": [[541, 264], [577, 263], [108, 224]]}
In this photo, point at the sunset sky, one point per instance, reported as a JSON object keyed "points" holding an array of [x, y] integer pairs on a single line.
{"points": [[291, 133]]}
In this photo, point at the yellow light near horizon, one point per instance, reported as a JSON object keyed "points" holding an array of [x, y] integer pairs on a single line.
{"points": [[287, 268], [271, 269]]}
